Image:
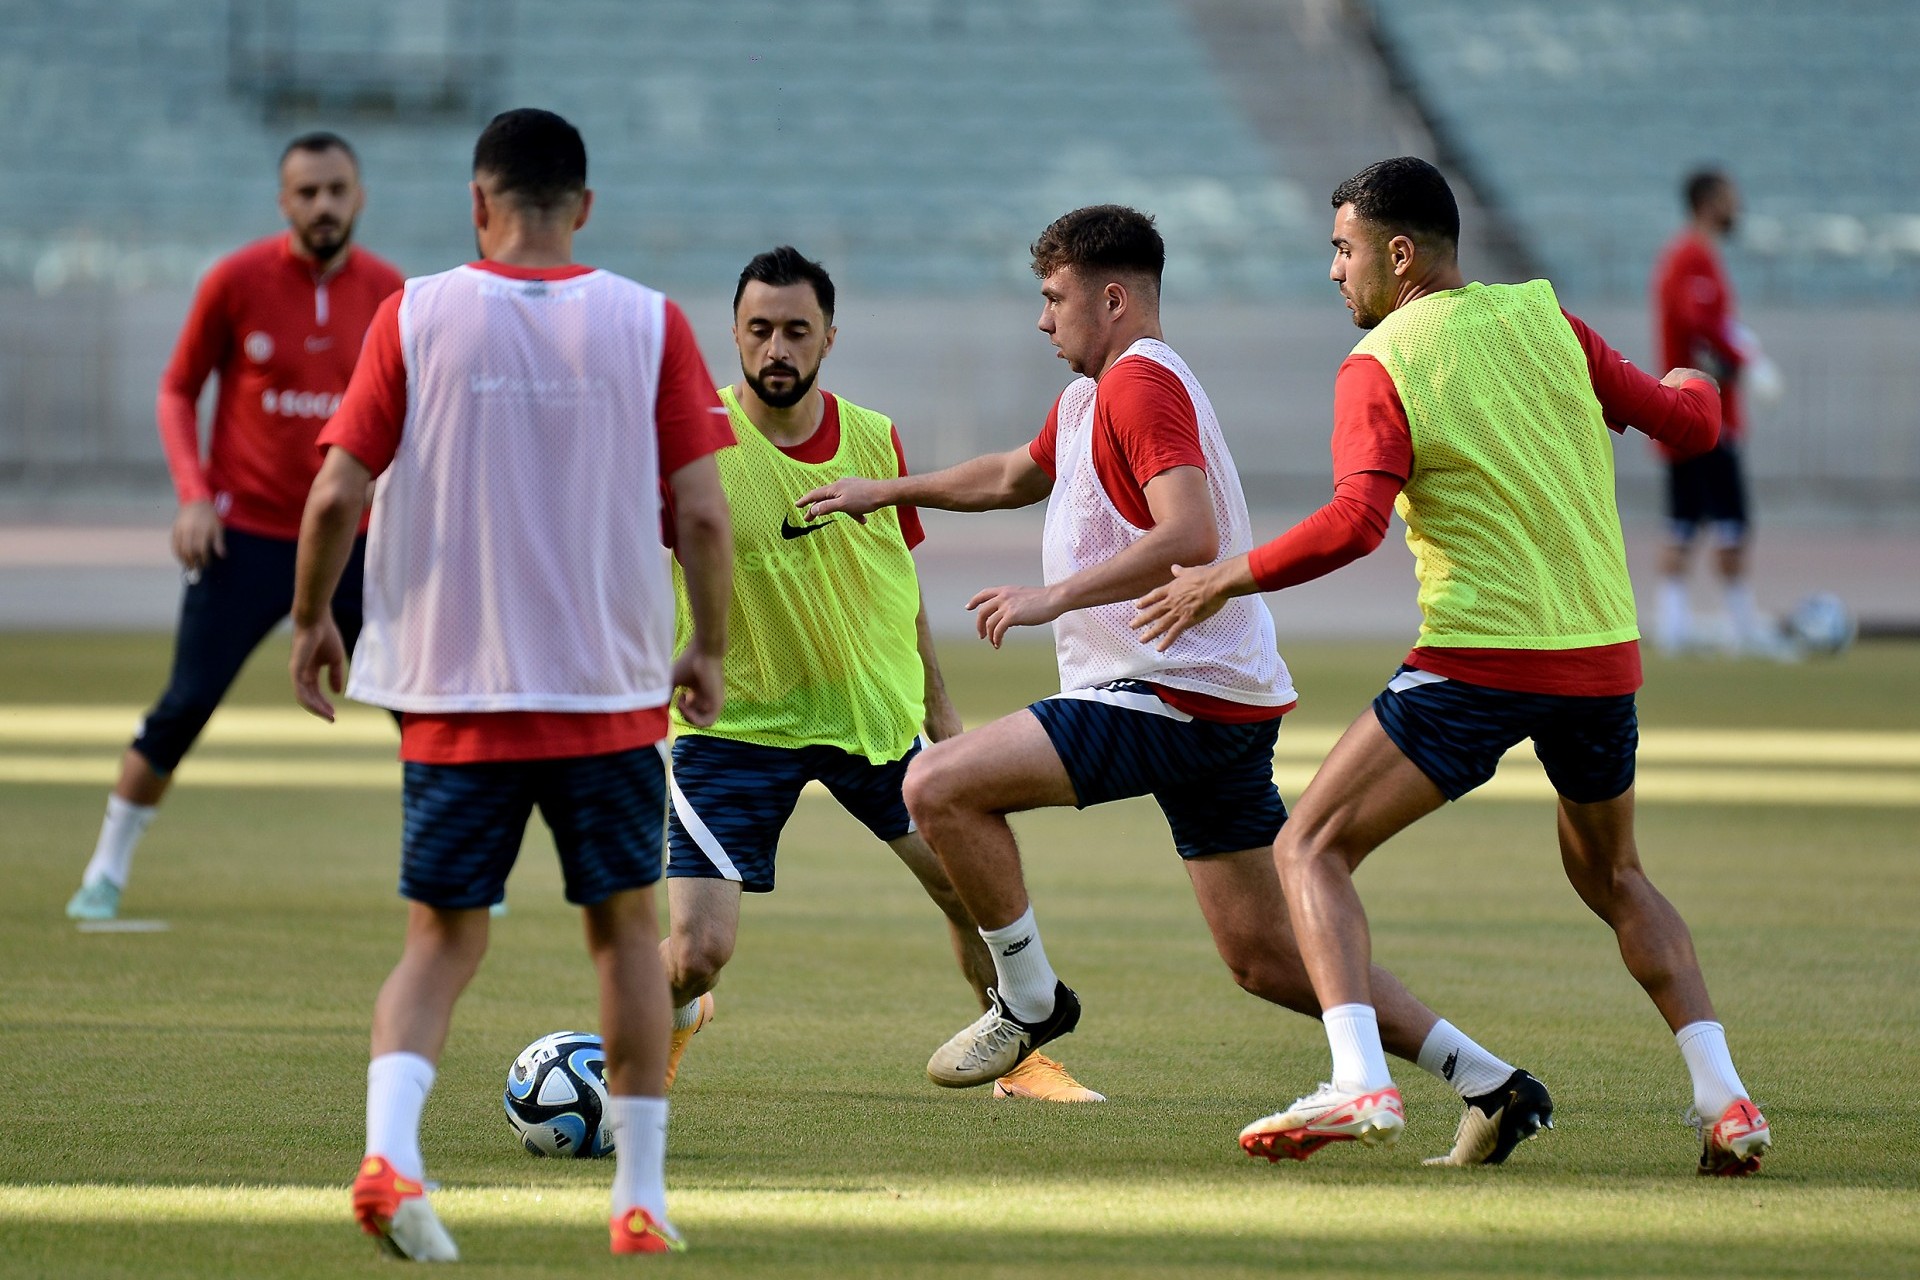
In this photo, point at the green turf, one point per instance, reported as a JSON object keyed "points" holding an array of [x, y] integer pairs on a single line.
{"points": [[188, 1103]]}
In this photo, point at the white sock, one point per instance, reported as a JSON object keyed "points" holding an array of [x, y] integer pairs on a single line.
{"points": [[397, 1088], [640, 1155], [1674, 626], [1448, 1053], [1742, 612], [1716, 1085], [1022, 975], [1359, 1063], [687, 1015], [120, 834]]}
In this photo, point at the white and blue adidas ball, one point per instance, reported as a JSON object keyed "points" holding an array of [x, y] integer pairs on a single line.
{"points": [[556, 1096], [1821, 624]]}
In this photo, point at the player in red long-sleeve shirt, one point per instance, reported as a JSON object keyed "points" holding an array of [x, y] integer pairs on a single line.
{"points": [[1695, 324], [280, 323], [1485, 410]]}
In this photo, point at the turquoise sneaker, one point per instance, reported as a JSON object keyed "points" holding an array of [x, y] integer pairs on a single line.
{"points": [[96, 900], [498, 909]]}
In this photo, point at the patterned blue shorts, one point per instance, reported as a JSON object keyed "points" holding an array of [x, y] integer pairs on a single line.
{"points": [[464, 822]]}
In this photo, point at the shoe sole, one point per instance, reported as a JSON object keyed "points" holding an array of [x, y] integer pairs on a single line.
{"points": [[1743, 1159], [1018, 1094], [1298, 1144]]}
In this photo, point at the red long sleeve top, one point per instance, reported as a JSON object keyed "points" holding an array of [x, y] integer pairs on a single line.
{"points": [[283, 339], [1372, 459]]}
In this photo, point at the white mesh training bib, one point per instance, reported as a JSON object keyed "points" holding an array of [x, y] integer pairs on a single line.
{"points": [[1231, 655], [514, 563]]}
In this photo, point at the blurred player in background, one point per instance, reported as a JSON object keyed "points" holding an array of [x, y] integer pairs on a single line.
{"points": [[1483, 410], [1138, 479], [1696, 326], [520, 617], [280, 322], [830, 667]]}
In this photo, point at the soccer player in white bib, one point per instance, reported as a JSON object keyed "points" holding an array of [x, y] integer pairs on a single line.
{"points": [[521, 413], [1138, 479], [830, 670]]}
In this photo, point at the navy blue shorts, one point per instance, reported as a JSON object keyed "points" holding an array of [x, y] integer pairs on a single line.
{"points": [[226, 611], [1709, 489], [731, 800], [464, 822], [1456, 734], [1213, 781]]}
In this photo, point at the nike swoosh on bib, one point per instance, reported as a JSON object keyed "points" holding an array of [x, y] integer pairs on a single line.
{"points": [[790, 531]]}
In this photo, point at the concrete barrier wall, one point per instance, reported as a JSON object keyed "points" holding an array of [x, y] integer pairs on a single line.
{"points": [[1842, 449]]}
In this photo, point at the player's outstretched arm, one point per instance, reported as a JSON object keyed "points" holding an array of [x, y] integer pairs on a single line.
{"points": [[1183, 532], [991, 482], [703, 539], [327, 529]]}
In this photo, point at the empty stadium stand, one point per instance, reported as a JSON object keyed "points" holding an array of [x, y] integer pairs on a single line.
{"points": [[1579, 120]]}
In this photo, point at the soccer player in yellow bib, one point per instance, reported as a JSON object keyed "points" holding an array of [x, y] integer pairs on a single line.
{"points": [[1483, 411], [830, 671]]}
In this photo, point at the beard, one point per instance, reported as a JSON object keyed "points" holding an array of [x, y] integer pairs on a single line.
{"points": [[780, 399], [325, 240]]}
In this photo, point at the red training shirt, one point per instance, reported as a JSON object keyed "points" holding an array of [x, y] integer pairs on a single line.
{"points": [[283, 340], [1143, 425], [1693, 322], [1372, 459], [690, 423]]}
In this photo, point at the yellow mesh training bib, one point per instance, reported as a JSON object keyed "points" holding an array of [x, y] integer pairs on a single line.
{"points": [[821, 645], [1510, 509]]}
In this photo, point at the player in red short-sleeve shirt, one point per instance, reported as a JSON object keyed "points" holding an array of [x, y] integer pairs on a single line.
{"points": [[1138, 479], [279, 323], [523, 414]]}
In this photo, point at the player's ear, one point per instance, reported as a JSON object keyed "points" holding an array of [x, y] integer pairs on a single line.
{"points": [[831, 330], [586, 209], [480, 212], [1400, 254]]}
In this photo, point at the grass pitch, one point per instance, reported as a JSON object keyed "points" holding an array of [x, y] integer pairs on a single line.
{"points": [[187, 1102]]}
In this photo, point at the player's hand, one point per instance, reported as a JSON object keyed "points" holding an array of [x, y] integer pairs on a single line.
{"points": [[998, 608], [198, 536], [943, 722], [1679, 377], [1194, 595], [855, 495], [702, 689], [316, 649]]}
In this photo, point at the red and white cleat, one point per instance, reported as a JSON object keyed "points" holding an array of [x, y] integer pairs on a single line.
{"points": [[1732, 1146], [1327, 1115]]}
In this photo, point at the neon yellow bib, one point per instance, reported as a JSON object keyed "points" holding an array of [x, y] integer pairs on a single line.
{"points": [[1510, 510], [821, 645]]}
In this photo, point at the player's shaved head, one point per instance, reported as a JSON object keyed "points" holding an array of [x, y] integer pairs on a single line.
{"points": [[1404, 196], [532, 157], [1102, 238]]}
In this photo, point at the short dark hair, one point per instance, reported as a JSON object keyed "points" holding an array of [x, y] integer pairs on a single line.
{"points": [[1405, 196], [1104, 237], [534, 156], [1702, 185], [317, 141], [784, 266]]}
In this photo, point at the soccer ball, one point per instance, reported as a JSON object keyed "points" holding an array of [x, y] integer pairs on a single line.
{"points": [[1821, 624], [556, 1096]]}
